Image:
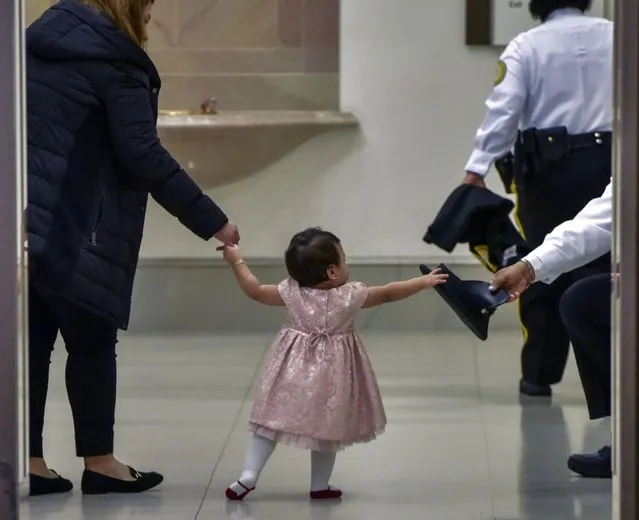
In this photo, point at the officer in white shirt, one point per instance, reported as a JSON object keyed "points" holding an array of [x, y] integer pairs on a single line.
{"points": [[552, 102], [585, 307]]}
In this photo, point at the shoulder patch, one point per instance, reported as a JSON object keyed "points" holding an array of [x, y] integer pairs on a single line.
{"points": [[501, 72]]}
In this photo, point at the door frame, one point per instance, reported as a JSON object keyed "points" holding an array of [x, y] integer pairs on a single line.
{"points": [[625, 253], [13, 279]]}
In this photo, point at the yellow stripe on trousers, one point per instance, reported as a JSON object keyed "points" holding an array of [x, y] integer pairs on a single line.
{"points": [[520, 227]]}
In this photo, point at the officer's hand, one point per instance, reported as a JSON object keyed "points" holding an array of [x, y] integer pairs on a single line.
{"points": [[474, 180], [514, 279]]}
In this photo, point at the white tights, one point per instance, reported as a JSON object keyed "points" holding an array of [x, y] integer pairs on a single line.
{"points": [[260, 450]]}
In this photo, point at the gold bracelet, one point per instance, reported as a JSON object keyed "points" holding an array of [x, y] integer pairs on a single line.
{"points": [[239, 262]]}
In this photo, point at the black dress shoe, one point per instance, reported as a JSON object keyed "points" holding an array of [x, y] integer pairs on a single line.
{"points": [[533, 390], [48, 486], [97, 484], [592, 465]]}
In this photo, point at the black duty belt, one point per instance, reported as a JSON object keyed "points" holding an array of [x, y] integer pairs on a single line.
{"points": [[589, 139], [533, 138], [537, 149]]}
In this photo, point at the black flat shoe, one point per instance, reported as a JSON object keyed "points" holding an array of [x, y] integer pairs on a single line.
{"points": [[97, 484], [40, 486]]}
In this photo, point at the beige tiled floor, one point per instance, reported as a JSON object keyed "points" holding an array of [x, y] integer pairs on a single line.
{"points": [[460, 445]]}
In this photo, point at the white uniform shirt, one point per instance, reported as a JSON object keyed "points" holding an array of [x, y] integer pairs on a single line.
{"points": [[575, 242], [558, 74]]}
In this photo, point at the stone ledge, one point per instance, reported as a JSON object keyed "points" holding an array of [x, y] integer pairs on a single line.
{"points": [[184, 120], [213, 148]]}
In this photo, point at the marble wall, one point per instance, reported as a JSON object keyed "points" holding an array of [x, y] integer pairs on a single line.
{"points": [[34, 8], [248, 54]]}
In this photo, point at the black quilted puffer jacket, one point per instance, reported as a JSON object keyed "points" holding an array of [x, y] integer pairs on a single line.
{"points": [[93, 158]]}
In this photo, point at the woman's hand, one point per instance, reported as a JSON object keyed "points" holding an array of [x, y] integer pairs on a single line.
{"points": [[229, 234]]}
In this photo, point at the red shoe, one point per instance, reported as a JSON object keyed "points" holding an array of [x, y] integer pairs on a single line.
{"points": [[326, 494], [232, 495]]}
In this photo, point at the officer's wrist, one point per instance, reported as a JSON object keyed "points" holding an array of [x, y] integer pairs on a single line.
{"points": [[530, 271]]}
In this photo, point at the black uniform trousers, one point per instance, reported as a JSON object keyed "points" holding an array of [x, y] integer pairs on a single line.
{"points": [[586, 312], [546, 199], [90, 372]]}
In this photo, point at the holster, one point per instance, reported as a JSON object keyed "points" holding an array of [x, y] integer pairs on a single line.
{"points": [[539, 150], [506, 168]]}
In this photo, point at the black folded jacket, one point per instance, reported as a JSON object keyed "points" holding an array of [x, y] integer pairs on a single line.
{"points": [[471, 300], [480, 218]]}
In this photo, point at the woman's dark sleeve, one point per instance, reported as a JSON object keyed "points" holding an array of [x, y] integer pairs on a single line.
{"points": [[149, 165]]}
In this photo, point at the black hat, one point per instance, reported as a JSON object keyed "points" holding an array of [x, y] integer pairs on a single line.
{"points": [[472, 300]]}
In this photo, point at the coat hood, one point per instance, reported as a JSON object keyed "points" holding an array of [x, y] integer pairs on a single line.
{"points": [[71, 30]]}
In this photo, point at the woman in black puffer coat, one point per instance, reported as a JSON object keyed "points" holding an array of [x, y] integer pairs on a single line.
{"points": [[93, 158]]}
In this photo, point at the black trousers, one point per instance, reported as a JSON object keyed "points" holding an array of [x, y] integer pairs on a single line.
{"points": [[586, 311], [545, 200], [90, 372]]}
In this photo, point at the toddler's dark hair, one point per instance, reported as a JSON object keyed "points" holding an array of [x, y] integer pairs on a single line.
{"points": [[310, 254], [542, 9]]}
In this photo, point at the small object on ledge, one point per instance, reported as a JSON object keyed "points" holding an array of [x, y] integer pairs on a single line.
{"points": [[209, 106]]}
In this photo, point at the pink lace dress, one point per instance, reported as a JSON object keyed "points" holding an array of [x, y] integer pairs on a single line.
{"points": [[317, 390]]}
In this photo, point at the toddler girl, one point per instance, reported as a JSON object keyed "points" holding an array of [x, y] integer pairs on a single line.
{"points": [[317, 390]]}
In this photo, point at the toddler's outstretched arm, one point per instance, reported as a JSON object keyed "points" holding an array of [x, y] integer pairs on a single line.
{"points": [[396, 291], [250, 285]]}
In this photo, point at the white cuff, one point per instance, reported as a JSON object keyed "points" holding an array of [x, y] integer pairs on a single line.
{"points": [[480, 162], [541, 260]]}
